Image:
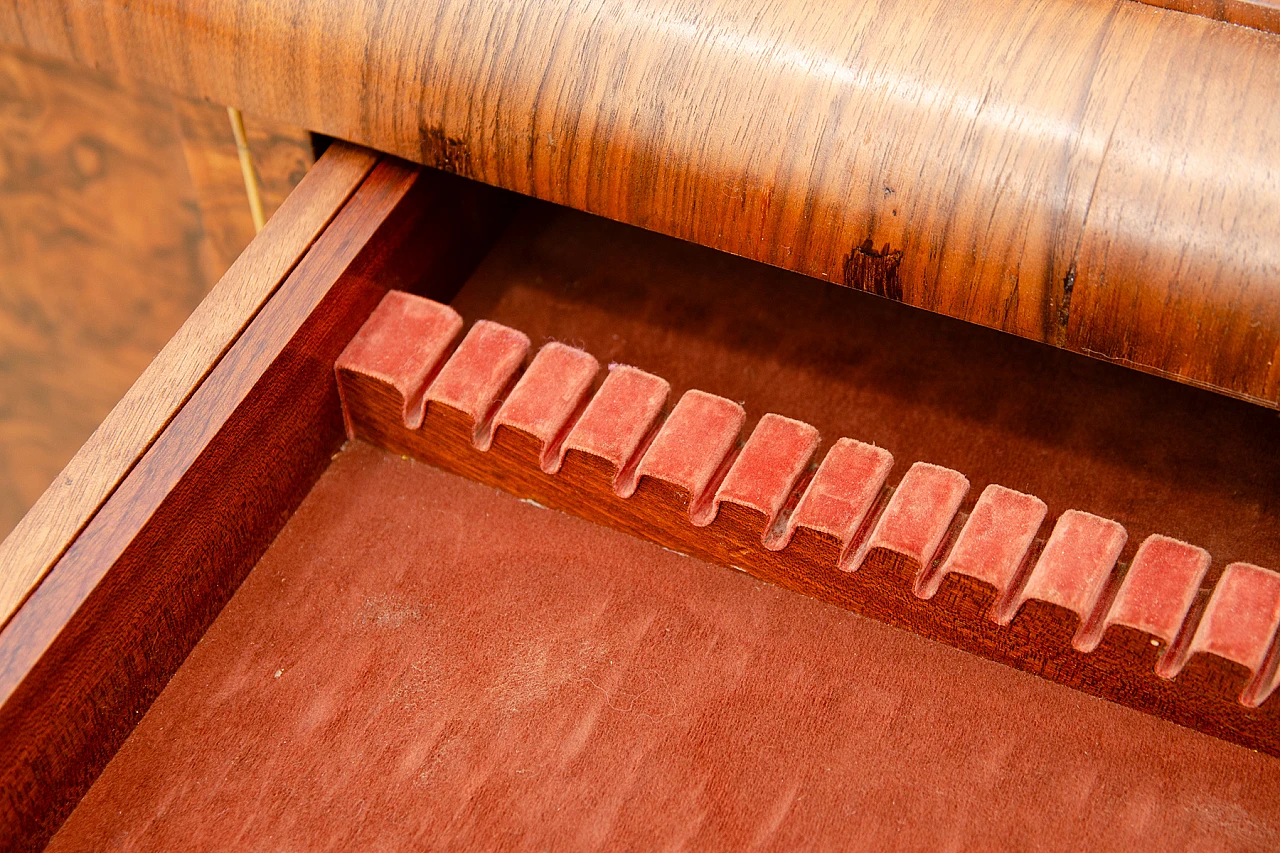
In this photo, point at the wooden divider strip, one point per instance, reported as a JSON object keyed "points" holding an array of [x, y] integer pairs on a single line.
{"points": [[1061, 607]]}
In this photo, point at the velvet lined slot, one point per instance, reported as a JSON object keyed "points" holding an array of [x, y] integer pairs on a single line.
{"points": [[1232, 641], [478, 375], [995, 541], [694, 449], [619, 422], [549, 398], [916, 520], [1158, 590], [772, 462], [843, 493], [401, 345]]}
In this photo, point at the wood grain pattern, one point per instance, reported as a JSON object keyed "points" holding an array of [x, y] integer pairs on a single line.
{"points": [[113, 226], [85, 655], [1259, 14], [1093, 174], [102, 256], [878, 566], [106, 458]]}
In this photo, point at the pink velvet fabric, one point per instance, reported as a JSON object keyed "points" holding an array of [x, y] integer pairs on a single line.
{"points": [[480, 371], [692, 447], [1242, 616], [403, 342], [995, 539], [772, 461], [549, 394], [917, 517], [695, 448], [844, 490], [1076, 563], [1159, 587], [620, 417]]}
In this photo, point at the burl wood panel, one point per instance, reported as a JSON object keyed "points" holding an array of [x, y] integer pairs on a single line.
{"points": [[150, 403], [420, 662], [83, 657], [102, 256], [114, 222], [1063, 607], [281, 156], [1092, 174]]}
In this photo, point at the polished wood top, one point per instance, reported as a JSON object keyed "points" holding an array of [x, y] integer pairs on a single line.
{"points": [[1099, 175]]}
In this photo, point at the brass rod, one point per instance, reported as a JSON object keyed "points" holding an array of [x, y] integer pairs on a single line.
{"points": [[246, 169]]}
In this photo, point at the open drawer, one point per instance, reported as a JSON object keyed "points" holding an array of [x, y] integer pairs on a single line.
{"points": [[415, 660]]}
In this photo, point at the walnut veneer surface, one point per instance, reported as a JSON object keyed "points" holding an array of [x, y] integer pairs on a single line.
{"points": [[146, 407], [120, 207], [419, 660], [1100, 175], [1258, 14]]}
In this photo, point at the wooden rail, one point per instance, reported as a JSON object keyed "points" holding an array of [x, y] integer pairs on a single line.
{"points": [[1100, 175]]}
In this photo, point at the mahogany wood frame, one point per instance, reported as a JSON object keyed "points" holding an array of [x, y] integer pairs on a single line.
{"points": [[68, 504], [132, 592]]}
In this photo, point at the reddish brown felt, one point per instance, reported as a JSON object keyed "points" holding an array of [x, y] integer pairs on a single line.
{"points": [[419, 662], [1157, 458]]}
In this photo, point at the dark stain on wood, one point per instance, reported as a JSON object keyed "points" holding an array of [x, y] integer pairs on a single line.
{"points": [[874, 270], [446, 152], [1064, 307]]}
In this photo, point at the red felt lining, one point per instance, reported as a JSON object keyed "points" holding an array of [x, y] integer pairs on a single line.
{"points": [[422, 662]]}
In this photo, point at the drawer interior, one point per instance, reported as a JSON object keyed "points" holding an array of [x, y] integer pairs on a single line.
{"points": [[419, 661], [432, 644]]}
